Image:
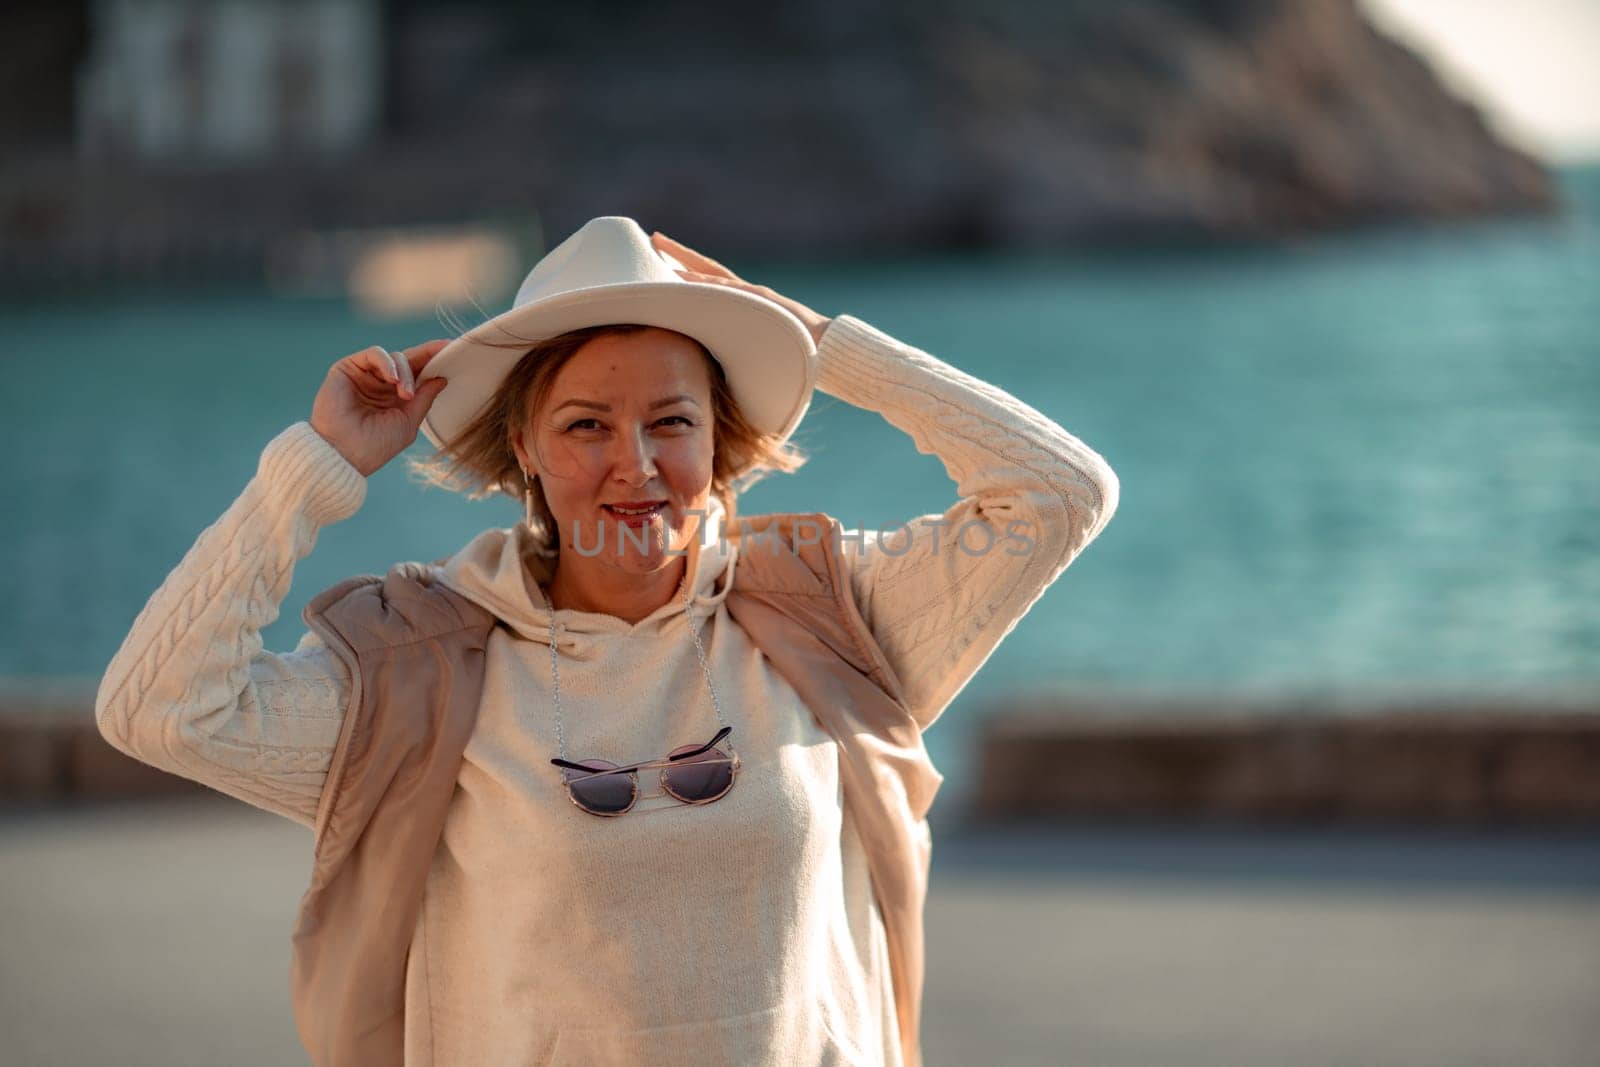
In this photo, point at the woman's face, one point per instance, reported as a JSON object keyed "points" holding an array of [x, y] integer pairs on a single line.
{"points": [[627, 421]]}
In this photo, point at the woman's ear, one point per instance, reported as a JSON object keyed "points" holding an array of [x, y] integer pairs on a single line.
{"points": [[521, 453]]}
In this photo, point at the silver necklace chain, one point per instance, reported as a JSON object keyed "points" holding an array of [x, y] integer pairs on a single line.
{"points": [[694, 632]]}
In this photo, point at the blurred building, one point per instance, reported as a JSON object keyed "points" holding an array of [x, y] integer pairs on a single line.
{"points": [[233, 80]]}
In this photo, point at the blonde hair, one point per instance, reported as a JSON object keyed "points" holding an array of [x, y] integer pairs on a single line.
{"points": [[480, 461]]}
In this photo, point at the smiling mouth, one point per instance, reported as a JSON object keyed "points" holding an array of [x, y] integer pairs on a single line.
{"points": [[636, 514]]}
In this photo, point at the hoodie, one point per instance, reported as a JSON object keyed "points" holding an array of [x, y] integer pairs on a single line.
{"points": [[751, 928]]}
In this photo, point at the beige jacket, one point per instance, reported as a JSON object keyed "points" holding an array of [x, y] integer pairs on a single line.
{"points": [[416, 651]]}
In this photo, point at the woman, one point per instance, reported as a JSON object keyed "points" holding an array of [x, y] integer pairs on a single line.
{"points": [[484, 891]]}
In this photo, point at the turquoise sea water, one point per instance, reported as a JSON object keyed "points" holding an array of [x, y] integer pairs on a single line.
{"points": [[1369, 461]]}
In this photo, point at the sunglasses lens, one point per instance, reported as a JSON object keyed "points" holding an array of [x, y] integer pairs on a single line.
{"points": [[700, 778], [603, 794]]}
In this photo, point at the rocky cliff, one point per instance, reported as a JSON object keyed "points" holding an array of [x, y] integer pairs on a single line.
{"points": [[841, 123], [827, 126]]}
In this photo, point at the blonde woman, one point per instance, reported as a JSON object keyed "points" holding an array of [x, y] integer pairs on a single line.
{"points": [[635, 779]]}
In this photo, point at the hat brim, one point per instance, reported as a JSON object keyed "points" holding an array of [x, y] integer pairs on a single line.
{"points": [[766, 353]]}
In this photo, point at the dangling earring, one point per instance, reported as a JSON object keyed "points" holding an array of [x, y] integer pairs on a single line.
{"points": [[527, 498]]}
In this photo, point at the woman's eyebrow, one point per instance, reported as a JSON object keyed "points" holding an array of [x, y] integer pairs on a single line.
{"points": [[665, 401]]}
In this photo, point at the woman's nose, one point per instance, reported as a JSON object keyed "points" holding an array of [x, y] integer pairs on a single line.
{"points": [[635, 459]]}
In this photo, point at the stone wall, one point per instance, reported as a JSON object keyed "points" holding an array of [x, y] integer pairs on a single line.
{"points": [[1417, 761], [1094, 759]]}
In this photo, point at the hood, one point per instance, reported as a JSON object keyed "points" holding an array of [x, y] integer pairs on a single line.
{"points": [[499, 571]]}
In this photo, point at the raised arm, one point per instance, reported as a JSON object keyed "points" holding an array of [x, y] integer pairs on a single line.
{"points": [[939, 597], [940, 594], [191, 690]]}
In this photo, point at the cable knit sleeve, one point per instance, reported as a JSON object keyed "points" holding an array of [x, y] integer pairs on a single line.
{"points": [[941, 593], [192, 692]]}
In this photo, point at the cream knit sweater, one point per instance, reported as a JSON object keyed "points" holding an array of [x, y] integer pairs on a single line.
{"points": [[743, 931]]}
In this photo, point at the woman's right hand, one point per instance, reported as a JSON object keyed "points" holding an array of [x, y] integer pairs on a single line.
{"points": [[369, 407]]}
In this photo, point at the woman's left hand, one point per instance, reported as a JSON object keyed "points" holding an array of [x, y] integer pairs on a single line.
{"points": [[705, 269]]}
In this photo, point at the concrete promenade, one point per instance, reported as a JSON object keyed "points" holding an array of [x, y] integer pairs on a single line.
{"points": [[157, 933]]}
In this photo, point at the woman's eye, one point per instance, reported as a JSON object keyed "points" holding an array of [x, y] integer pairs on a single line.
{"points": [[579, 423]]}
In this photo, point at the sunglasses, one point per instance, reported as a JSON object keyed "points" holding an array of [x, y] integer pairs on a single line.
{"points": [[692, 774]]}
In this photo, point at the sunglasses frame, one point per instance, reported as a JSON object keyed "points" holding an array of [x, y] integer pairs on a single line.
{"points": [[664, 763]]}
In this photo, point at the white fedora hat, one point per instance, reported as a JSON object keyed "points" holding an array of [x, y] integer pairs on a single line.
{"points": [[608, 272]]}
